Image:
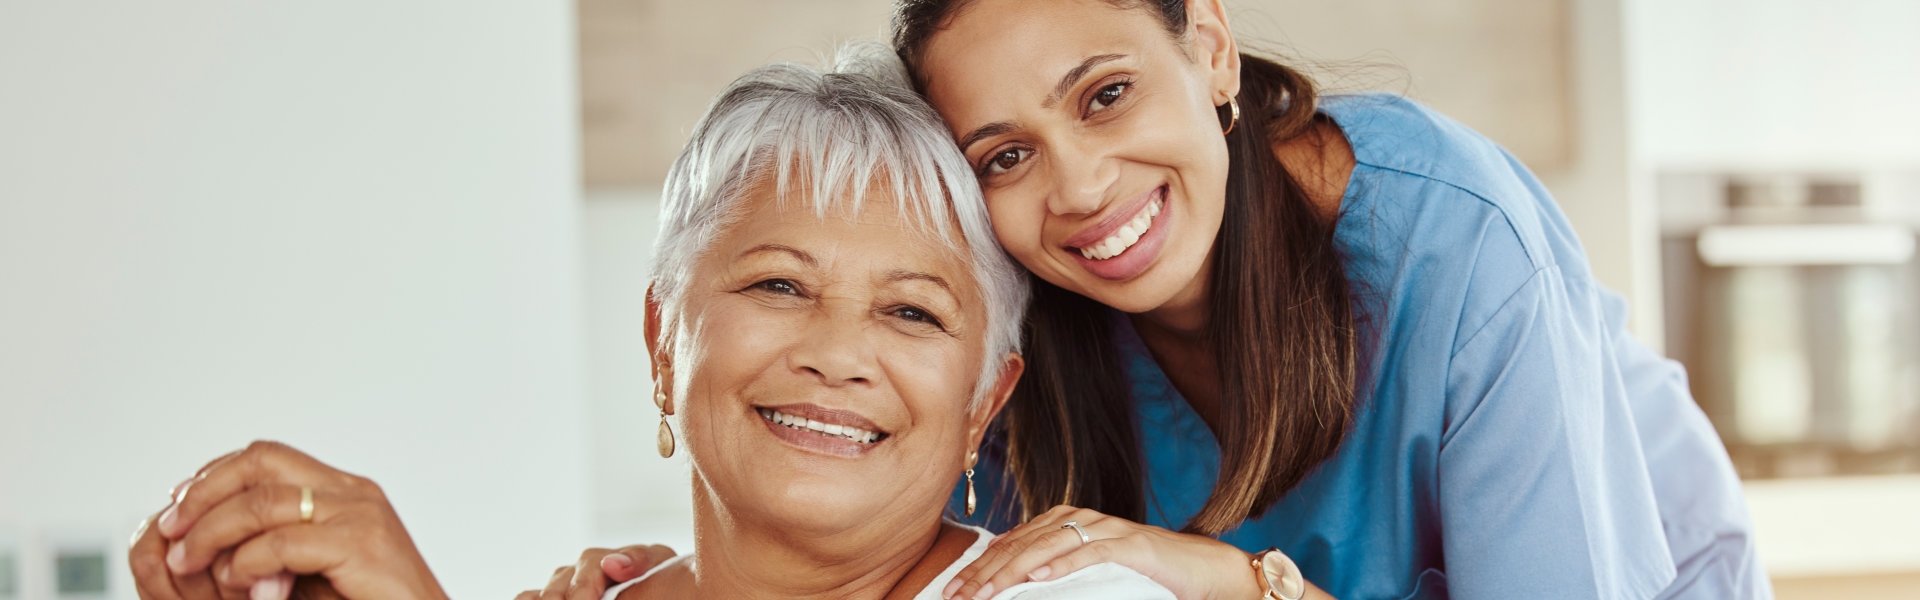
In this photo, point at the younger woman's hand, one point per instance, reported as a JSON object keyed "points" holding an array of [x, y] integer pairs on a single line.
{"points": [[598, 569], [248, 505], [1192, 566]]}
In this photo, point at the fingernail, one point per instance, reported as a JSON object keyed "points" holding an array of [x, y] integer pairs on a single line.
{"points": [[271, 588], [169, 520], [952, 587], [177, 558], [1040, 574], [138, 531], [619, 561], [179, 488], [986, 591]]}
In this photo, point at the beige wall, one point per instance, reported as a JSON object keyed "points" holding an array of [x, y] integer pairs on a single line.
{"points": [[650, 66]]}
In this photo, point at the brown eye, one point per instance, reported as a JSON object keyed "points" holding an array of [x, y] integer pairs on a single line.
{"points": [[1107, 96], [777, 286], [1005, 160], [918, 315]]}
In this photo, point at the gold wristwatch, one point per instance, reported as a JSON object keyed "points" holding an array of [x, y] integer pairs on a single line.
{"points": [[1280, 579]]}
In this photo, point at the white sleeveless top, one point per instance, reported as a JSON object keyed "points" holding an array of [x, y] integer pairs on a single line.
{"points": [[1104, 581]]}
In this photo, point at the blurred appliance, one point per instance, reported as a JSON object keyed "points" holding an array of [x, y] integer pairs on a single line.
{"points": [[1793, 298]]}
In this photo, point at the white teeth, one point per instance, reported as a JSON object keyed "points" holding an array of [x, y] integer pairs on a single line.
{"points": [[829, 429], [1125, 237]]}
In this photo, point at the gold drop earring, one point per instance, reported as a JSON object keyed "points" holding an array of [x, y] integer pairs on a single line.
{"points": [[665, 404], [972, 457]]}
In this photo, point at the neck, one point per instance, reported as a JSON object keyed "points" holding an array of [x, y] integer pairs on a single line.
{"points": [[738, 558]]}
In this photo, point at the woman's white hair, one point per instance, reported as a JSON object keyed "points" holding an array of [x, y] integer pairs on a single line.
{"points": [[827, 137]]}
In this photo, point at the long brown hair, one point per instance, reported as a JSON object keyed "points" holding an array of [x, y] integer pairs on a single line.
{"points": [[1281, 327]]}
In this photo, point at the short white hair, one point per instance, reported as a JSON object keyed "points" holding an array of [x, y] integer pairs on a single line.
{"points": [[828, 136]]}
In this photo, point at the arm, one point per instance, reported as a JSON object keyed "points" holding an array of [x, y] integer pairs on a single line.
{"points": [[1543, 487]]}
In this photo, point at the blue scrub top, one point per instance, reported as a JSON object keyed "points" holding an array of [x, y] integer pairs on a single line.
{"points": [[1514, 441]]}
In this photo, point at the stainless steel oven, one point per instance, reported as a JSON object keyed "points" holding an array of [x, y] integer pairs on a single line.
{"points": [[1793, 298]]}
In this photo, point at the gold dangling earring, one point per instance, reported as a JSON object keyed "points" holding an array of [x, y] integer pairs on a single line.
{"points": [[666, 408], [971, 458], [1233, 106]]}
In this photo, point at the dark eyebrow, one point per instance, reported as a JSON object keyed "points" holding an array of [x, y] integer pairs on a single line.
{"points": [[796, 252], [1073, 76], [987, 131], [1059, 90]]}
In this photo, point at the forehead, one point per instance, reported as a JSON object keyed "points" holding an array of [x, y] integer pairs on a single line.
{"points": [[1014, 51], [877, 235]]}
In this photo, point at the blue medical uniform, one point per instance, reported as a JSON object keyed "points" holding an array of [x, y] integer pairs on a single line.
{"points": [[1513, 441]]}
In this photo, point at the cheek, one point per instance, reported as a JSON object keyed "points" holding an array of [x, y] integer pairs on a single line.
{"points": [[1017, 215], [746, 341]]}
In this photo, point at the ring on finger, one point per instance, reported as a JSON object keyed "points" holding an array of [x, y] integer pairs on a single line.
{"points": [[1075, 526], [306, 504]]}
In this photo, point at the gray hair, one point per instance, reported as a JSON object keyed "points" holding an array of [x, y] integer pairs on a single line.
{"points": [[830, 135]]}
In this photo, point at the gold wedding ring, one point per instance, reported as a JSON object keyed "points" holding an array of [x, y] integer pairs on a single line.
{"points": [[306, 504]]}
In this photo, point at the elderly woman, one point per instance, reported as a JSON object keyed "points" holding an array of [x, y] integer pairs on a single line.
{"points": [[832, 328]]}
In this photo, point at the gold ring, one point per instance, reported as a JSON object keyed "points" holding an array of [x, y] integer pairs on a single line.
{"points": [[306, 504]]}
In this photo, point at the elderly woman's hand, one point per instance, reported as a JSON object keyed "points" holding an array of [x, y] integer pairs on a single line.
{"points": [[1192, 566], [257, 518], [597, 569]]}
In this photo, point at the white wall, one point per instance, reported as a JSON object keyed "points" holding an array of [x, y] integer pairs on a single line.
{"points": [[638, 497], [1775, 83], [350, 226]]}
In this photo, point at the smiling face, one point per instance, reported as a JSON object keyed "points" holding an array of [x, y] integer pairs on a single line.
{"points": [[1096, 139], [823, 367]]}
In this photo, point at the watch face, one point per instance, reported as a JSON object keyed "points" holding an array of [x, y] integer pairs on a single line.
{"points": [[1282, 575]]}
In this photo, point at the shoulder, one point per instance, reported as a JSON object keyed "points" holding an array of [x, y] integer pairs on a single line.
{"points": [[1400, 134], [1414, 162], [1105, 581], [1434, 209]]}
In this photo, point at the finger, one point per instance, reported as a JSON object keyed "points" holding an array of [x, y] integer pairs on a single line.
{"points": [[633, 561], [221, 566], [1042, 522], [277, 587], [527, 595], [240, 517], [198, 585], [587, 582], [1007, 563], [1014, 569], [261, 462], [1113, 550], [147, 558], [557, 586], [302, 549]]}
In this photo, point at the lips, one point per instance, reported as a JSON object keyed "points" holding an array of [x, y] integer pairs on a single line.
{"points": [[833, 432], [832, 424], [1127, 242], [1109, 227]]}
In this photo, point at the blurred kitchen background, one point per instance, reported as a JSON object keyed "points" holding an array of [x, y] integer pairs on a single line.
{"points": [[411, 238]]}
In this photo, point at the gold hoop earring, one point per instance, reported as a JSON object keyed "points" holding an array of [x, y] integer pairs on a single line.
{"points": [[1233, 107], [972, 457], [665, 443]]}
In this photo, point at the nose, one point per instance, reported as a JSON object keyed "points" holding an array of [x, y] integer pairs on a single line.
{"points": [[1081, 177], [835, 349]]}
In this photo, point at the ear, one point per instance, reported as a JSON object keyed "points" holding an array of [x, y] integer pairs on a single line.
{"points": [[656, 348], [1214, 48], [983, 412]]}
